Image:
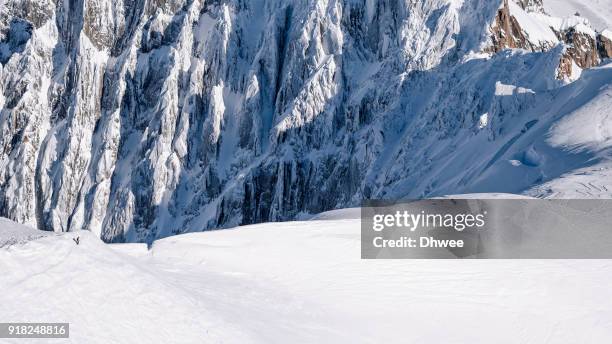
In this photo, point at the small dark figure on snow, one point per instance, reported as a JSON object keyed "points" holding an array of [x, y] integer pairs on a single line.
{"points": [[76, 240]]}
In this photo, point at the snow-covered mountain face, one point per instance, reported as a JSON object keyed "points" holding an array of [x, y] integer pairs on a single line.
{"points": [[142, 119]]}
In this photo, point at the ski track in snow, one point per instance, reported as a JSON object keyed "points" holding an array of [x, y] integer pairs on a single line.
{"points": [[299, 282]]}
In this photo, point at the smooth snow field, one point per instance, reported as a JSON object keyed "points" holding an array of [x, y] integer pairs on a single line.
{"points": [[598, 12], [297, 282]]}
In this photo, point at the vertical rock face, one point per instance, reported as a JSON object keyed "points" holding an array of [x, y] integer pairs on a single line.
{"points": [[604, 44], [146, 118], [506, 31], [582, 51], [583, 48]]}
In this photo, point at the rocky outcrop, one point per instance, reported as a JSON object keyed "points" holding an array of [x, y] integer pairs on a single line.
{"points": [[582, 48], [582, 52], [506, 32], [518, 25], [535, 33], [604, 44]]}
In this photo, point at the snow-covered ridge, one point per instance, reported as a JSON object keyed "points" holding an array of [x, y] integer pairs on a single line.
{"points": [[140, 120], [580, 24], [536, 26]]}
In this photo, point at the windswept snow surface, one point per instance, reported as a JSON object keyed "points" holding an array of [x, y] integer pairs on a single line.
{"points": [[12, 233], [296, 282], [536, 29], [598, 12], [106, 296]]}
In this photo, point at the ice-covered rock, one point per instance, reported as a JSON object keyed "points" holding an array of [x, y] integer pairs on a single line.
{"points": [[143, 119]]}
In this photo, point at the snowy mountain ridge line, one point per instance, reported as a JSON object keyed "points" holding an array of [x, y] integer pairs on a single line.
{"points": [[142, 119]]}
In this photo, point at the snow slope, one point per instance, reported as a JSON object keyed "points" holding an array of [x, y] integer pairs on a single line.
{"points": [[14, 233], [598, 12], [106, 296], [299, 282]]}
